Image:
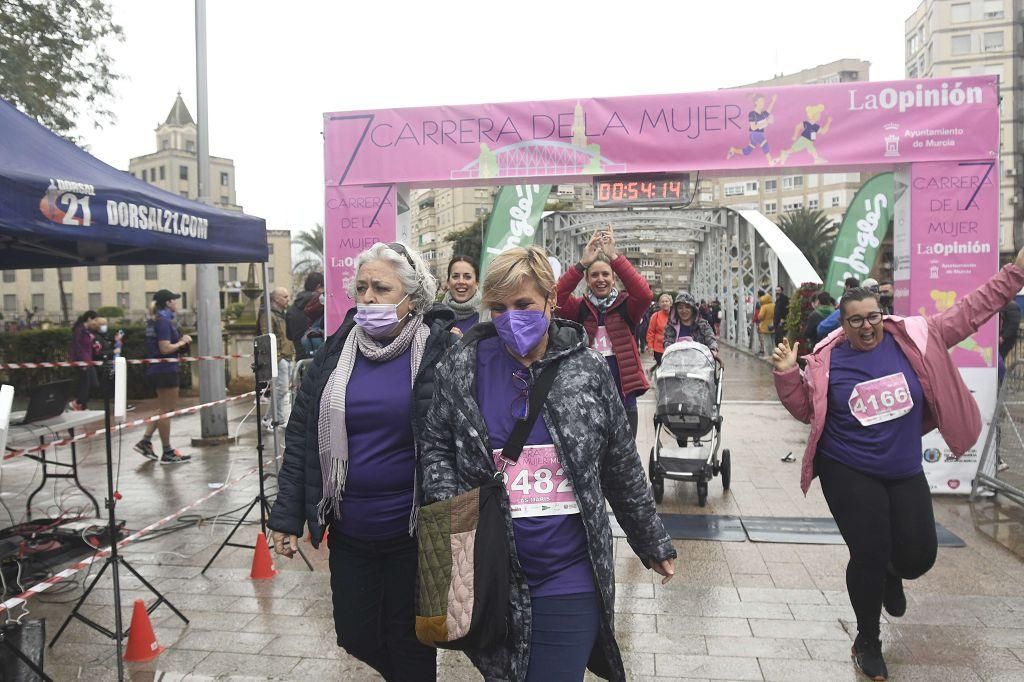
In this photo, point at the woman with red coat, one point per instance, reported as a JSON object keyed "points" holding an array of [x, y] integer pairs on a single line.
{"points": [[609, 315]]}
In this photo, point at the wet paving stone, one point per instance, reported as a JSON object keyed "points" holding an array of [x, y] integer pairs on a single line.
{"points": [[740, 611]]}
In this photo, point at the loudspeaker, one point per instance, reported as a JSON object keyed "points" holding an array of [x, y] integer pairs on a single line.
{"points": [[265, 358]]}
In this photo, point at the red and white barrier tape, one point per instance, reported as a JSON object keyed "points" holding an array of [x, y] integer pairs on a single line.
{"points": [[98, 556], [137, 361], [127, 425]]}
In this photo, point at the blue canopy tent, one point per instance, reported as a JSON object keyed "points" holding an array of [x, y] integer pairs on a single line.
{"points": [[62, 207]]}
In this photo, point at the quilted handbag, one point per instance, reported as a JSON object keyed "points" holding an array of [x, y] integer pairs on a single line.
{"points": [[463, 584], [463, 570]]}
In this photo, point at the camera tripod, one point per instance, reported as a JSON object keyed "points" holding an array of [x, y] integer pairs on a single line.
{"points": [[114, 559], [261, 497]]}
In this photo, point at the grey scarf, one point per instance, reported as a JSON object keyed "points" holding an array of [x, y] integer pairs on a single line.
{"points": [[467, 309], [603, 304], [332, 435]]}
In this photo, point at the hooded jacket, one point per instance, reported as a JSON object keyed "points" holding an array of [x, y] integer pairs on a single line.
{"points": [[300, 484], [633, 301], [766, 316], [925, 341], [701, 331], [594, 444]]}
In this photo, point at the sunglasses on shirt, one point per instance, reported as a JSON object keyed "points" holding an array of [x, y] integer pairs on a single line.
{"points": [[521, 403]]}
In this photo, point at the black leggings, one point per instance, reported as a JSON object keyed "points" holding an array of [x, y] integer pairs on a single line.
{"points": [[86, 384], [889, 528]]}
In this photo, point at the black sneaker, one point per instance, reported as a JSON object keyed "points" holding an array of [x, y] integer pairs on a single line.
{"points": [[867, 656], [894, 600], [174, 457], [145, 448]]}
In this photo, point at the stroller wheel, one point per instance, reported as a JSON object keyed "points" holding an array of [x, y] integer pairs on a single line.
{"points": [[658, 490], [702, 492], [726, 468]]}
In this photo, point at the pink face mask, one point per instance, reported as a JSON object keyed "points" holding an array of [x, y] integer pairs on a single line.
{"points": [[379, 320]]}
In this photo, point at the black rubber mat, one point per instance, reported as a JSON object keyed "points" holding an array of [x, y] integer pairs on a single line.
{"points": [[696, 527], [805, 530]]}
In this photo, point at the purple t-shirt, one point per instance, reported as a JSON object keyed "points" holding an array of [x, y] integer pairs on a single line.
{"points": [[159, 328], [755, 117], [381, 455], [810, 130], [890, 449], [551, 549], [466, 324]]}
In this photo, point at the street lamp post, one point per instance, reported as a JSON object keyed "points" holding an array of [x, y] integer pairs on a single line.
{"points": [[214, 420]]}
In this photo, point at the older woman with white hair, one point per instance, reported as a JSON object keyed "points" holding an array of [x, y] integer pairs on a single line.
{"points": [[350, 457]]}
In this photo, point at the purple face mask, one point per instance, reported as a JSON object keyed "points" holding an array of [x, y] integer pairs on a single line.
{"points": [[522, 330], [378, 319]]}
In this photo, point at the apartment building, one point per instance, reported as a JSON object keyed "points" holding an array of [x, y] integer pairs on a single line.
{"points": [[958, 38]]}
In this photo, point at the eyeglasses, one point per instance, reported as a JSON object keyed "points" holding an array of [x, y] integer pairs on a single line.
{"points": [[521, 403], [858, 320], [400, 249]]}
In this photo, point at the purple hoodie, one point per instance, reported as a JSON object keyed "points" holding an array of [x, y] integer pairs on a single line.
{"points": [[81, 344]]}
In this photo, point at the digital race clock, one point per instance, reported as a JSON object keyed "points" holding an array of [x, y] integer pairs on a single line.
{"points": [[642, 190]]}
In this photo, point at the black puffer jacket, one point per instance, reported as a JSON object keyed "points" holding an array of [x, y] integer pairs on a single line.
{"points": [[300, 483], [587, 422]]}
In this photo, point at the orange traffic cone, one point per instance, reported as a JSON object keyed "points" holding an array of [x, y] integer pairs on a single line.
{"points": [[142, 644], [262, 564]]}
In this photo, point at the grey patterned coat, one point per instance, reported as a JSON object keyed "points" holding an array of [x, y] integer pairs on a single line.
{"points": [[588, 425]]}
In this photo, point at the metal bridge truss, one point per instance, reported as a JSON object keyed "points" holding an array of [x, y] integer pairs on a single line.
{"points": [[732, 259]]}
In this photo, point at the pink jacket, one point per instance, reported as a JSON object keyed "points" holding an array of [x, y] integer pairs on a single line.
{"points": [[925, 341]]}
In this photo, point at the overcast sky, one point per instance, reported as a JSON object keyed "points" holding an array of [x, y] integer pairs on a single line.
{"points": [[273, 72]]}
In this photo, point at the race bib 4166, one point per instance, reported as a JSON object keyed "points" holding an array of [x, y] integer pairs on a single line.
{"points": [[881, 400]]}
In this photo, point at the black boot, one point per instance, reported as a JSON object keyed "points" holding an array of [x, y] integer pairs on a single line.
{"points": [[894, 600], [867, 656]]}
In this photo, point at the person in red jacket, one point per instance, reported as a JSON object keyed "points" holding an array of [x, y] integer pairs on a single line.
{"points": [[609, 315]]}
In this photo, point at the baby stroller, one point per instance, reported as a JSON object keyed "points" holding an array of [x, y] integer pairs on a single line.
{"points": [[689, 400]]}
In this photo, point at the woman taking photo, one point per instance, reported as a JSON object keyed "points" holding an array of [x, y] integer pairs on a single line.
{"points": [[350, 458], [561, 575], [463, 294], [609, 315], [83, 347], [656, 328], [869, 392]]}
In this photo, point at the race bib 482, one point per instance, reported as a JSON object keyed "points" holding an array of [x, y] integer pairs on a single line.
{"points": [[537, 485]]}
